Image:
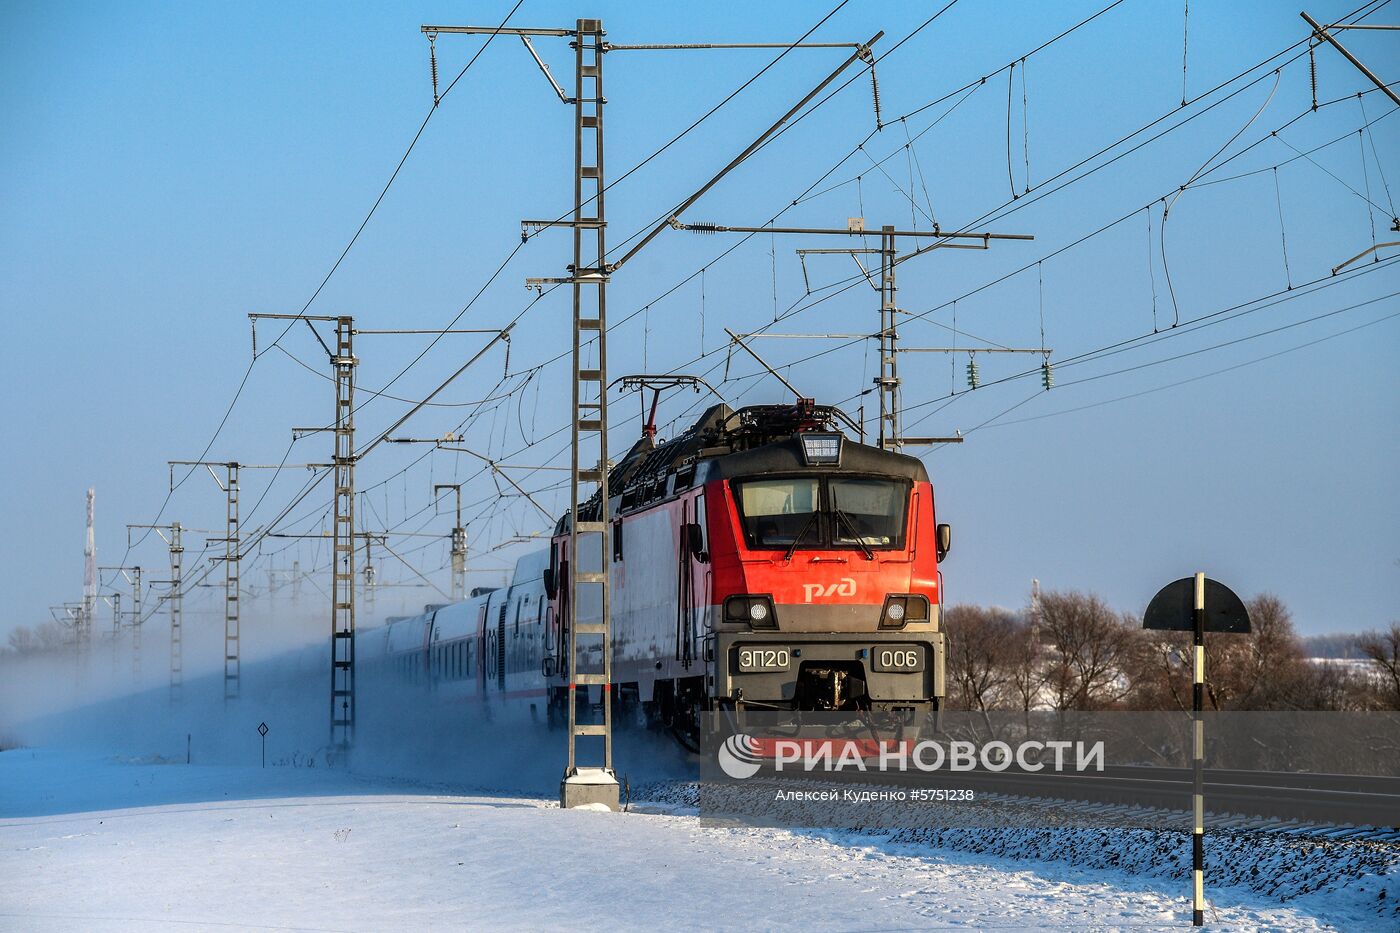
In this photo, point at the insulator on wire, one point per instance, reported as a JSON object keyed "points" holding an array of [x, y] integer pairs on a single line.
{"points": [[973, 378], [432, 64], [875, 95], [1047, 374], [703, 227], [1312, 73]]}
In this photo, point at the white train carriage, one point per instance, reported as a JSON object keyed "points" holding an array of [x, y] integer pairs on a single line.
{"points": [[488, 649]]}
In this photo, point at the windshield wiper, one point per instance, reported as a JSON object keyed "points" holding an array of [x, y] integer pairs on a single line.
{"points": [[792, 548], [855, 532]]}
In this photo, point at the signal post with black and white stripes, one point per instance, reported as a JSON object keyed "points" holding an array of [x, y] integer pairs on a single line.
{"points": [[1197, 605]]}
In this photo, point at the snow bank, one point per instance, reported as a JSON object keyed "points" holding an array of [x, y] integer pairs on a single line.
{"points": [[1354, 883]]}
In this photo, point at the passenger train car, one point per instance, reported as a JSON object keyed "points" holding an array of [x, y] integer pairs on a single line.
{"points": [[761, 560]]}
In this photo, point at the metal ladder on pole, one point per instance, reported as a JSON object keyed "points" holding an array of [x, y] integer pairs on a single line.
{"points": [[136, 625], [89, 613], [889, 346], [589, 276], [232, 582], [116, 629], [343, 553], [176, 609]]}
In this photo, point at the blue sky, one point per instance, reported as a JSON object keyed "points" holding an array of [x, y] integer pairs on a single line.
{"points": [[167, 169]]}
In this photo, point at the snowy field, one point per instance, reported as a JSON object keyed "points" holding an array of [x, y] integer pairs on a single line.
{"points": [[447, 820], [105, 843]]}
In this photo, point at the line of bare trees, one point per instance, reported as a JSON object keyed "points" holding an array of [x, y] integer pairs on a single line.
{"points": [[44, 637], [1077, 653]]}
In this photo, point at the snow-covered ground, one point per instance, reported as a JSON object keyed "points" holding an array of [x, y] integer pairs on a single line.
{"points": [[92, 843]]}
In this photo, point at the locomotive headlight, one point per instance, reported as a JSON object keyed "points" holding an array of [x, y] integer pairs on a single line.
{"points": [[756, 610], [903, 608], [819, 449]]}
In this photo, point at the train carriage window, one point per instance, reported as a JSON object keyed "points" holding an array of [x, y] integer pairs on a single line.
{"points": [[617, 540]]}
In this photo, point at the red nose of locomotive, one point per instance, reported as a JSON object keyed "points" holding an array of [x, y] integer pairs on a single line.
{"points": [[825, 577]]}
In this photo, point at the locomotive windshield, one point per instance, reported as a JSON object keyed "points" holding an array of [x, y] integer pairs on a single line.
{"points": [[823, 512]]}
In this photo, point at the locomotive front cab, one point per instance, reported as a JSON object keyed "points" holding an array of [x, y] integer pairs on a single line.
{"points": [[825, 560]]}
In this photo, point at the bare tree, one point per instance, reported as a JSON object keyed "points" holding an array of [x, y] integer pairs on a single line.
{"points": [[1025, 669], [23, 640], [979, 640], [1382, 649], [1083, 655], [1326, 686], [1164, 681], [51, 635], [1096, 651], [46, 636], [1265, 669]]}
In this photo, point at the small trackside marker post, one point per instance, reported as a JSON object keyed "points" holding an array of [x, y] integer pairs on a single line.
{"points": [[262, 731], [1197, 605]]}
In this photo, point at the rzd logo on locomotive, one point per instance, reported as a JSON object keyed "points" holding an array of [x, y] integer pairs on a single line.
{"points": [[846, 586]]}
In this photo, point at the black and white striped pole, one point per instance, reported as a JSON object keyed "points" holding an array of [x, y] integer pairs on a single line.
{"points": [[1198, 752], [1197, 605]]}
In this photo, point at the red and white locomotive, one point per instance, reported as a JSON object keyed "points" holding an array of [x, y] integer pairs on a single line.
{"points": [[761, 560]]}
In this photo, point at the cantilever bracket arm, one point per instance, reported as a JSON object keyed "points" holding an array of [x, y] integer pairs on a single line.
{"points": [[985, 237], [735, 338], [500, 335], [496, 469], [1322, 33], [545, 68], [859, 54]]}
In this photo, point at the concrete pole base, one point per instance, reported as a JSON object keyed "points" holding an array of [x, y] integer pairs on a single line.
{"points": [[590, 787]]}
